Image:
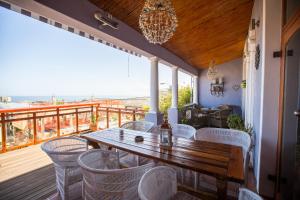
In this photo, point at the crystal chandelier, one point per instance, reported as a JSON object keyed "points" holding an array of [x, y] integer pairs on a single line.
{"points": [[212, 72], [158, 21]]}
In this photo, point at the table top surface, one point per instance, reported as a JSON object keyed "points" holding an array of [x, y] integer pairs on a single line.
{"points": [[215, 159]]}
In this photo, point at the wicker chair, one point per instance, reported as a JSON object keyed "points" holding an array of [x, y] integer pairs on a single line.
{"points": [[183, 130], [130, 160], [225, 136], [64, 153], [246, 194], [103, 178], [161, 183], [219, 118], [138, 126]]}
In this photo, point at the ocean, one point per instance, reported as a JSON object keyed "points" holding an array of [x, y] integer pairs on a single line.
{"points": [[18, 99]]}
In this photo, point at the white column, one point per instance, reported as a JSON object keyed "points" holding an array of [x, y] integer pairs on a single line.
{"points": [[174, 87], [154, 85], [195, 90], [154, 115], [173, 111]]}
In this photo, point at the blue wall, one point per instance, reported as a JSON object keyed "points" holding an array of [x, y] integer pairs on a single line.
{"points": [[232, 73]]}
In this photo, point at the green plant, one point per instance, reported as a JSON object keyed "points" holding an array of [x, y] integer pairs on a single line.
{"points": [[244, 84], [184, 97], [184, 121], [248, 129], [146, 108], [235, 122], [93, 119]]}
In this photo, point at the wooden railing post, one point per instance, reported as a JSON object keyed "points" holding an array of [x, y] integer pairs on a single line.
{"points": [[97, 112], [76, 120], [34, 129], [58, 122], [3, 132], [133, 115], [107, 118], [119, 117]]}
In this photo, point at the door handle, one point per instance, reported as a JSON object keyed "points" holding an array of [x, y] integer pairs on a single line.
{"points": [[297, 113]]}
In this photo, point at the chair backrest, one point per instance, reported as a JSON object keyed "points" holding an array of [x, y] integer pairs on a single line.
{"points": [[138, 125], [103, 178], [158, 183], [183, 130], [224, 107], [246, 194], [64, 151], [227, 136]]}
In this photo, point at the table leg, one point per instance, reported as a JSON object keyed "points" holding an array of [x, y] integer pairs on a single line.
{"points": [[222, 188]]}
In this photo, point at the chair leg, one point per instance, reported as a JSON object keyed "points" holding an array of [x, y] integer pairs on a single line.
{"points": [[66, 185], [181, 174], [83, 189], [196, 178], [137, 160]]}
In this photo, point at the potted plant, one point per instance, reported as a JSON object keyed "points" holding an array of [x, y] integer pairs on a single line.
{"points": [[235, 122], [243, 84], [94, 123]]}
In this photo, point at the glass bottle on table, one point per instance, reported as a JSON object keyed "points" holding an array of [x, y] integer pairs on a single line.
{"points": [[165, 132]]}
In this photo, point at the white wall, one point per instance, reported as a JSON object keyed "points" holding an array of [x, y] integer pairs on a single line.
{"points": [[266, 94], [232, 74], [270, 98]]}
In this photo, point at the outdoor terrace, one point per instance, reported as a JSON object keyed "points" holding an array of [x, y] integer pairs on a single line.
{"points": [[251, 31]]}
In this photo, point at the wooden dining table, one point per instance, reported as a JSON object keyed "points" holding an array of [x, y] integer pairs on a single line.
{"points": [[224, 162]]}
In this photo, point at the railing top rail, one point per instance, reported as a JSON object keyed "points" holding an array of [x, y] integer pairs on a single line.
{"points": [[71, 105]]}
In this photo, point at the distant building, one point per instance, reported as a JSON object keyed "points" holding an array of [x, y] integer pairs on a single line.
{"points": [[53, 100], [5, 99]]}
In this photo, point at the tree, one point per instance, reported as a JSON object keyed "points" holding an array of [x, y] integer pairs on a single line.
{"points": [[184, 97]]}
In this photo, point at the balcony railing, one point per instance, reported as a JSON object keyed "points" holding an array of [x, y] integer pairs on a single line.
{"points": [[22, 127]]}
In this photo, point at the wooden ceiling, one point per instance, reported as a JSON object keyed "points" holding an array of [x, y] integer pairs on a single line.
{"points": [[214, 29]]}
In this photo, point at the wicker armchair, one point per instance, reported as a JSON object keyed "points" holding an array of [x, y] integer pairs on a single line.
{"points": [[64, 153], [161, 183], [183, 130], [225, 136], [138, 125], [130, 160], [219, 118], [103, 178], [246, 194]]}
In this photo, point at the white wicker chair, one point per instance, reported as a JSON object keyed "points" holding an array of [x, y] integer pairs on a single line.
{"points": [[225, 136], [103, 179], [161, 183], [183, 130], [64, 153], [130, 160], [138, 126], [246, 194]]}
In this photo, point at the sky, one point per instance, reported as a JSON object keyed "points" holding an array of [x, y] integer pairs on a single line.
{"points": [[37, 59]]}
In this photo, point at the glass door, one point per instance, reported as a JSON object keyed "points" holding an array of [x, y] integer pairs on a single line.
{"points": [[290, 148]]}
